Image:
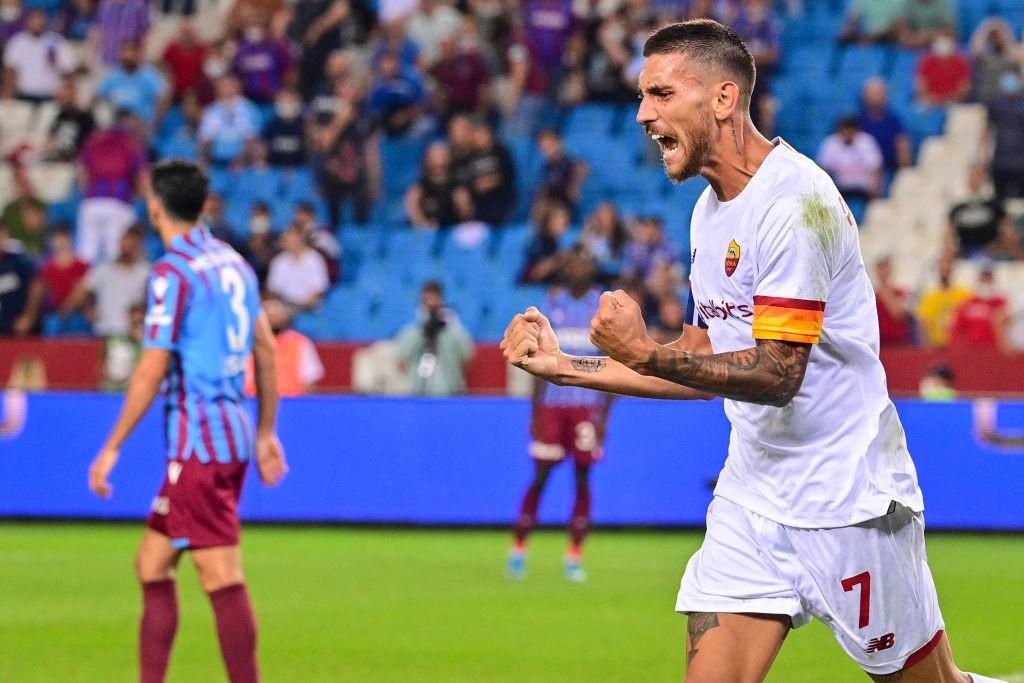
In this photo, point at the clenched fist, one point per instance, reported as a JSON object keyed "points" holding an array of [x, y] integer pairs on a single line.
{"points": [[618, 329], [529, 343]]}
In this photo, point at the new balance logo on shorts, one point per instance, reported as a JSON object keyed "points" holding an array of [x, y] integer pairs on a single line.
{"points": [[881, 643]]}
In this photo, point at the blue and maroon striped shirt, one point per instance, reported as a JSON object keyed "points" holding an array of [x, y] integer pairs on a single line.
{"points": [[570, 319], [203, 305]]}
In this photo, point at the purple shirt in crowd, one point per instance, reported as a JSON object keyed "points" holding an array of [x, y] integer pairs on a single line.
{"points": [[761, 33], [261, 66], [549, 23], [9, 28], [121, 21], [113, 159]]}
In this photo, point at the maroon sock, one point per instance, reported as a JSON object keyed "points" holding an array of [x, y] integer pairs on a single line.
{"points": [[527, 513], [236, 630], [156, 629], [580, 522]]}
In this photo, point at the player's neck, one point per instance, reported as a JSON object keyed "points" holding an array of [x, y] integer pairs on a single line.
{"points": [[740, 151], [170, 231]]}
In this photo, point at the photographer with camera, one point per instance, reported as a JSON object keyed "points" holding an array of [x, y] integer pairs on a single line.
{"points": [[435, 350]]}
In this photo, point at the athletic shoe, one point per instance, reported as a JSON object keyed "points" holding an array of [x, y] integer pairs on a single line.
{"points": [[573, 569], [516, 566]]}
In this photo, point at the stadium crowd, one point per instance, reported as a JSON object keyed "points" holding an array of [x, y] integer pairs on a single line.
{"points": [[292, 106]]}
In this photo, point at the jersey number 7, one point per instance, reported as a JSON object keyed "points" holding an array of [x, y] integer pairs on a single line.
{"points": [[864, 581]]}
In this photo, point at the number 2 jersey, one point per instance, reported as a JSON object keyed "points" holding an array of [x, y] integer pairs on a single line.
{"points": [[782, 261], [203, 302]]}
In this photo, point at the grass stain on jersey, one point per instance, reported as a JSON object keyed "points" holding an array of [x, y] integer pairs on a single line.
{"points": [[821, 219]]}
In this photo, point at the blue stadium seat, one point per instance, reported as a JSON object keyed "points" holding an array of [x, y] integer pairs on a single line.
{"points": [[401, 159], [591, 120]]}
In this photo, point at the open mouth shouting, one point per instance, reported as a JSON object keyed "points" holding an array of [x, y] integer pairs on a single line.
{"points": [[666, 143]]}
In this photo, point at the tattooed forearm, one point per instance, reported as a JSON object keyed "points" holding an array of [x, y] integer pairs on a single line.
{"points": [[588, 364], [888, 678], [697, 624], [770, 373]]}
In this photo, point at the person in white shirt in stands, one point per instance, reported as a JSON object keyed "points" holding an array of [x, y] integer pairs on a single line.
{"points": [[38, 60], [298, 274], [853, 159]]}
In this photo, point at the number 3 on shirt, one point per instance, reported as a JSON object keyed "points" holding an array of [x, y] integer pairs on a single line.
{"points": [[232, 284]]}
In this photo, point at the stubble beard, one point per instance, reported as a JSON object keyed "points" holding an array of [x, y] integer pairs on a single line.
{"points": [[699, 147]]}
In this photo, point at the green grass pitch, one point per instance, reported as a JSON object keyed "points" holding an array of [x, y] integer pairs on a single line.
{"points": [[373, 606]]}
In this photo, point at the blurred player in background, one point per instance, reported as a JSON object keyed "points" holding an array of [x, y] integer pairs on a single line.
{"points": [[817, 512], [566, 420], [202, 322], [985, 419]]}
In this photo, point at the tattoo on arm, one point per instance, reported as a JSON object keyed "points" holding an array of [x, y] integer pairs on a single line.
{"points": [[697, 624], [770, 373], [888, 678], [589, 364]]}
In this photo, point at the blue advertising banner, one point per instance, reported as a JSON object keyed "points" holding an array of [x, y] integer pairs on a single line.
{"points": [[464, 461]]}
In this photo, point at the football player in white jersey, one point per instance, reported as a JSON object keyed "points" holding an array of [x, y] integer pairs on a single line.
{"points": [[817, 512]]}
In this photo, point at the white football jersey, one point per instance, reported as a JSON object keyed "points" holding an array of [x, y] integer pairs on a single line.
{"points": [[782, 261]]}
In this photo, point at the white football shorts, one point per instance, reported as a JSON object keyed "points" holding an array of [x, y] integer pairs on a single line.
{"points": [[869, 582]]}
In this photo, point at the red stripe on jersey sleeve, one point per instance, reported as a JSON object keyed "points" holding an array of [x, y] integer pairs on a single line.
{"points": [[800, 304]]}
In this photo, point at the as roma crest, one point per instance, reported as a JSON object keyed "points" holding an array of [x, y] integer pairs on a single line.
{"points": [[732, 258]]}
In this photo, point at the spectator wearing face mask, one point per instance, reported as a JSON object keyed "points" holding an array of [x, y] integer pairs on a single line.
{"points": [[134, 86], [285, 134], [296, 361], [993, 52], [38, 59], [943, 74], [1006, 121]]}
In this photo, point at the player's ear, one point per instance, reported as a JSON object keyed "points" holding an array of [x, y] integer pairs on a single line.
{"points": [[727, 100]]}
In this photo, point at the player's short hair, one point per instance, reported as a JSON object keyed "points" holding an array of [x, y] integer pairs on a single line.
{"points": [[710, 43], [182, 187], [432, 287]]}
